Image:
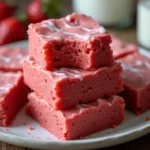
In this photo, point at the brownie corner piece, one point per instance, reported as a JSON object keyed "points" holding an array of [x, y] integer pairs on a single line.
{"points": [[13, 96]]}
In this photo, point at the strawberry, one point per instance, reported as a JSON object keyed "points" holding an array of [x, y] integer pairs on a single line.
{"points": [[11, 30], [6, 10], [39, 10]]}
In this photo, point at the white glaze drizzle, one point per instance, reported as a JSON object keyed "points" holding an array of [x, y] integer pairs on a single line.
{"points": [[85, 105], [57, 38], [10, 74], [66, 73], [91, 31], [51, 26], [12, 65], [19, 56], [68, 18], [5, 88], [139, 63], [115, 96], [131, 68], [80, 108], [6, 59], [101, 100], [147, 64]]}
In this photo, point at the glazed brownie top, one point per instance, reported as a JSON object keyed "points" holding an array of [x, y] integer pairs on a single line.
{"points": [[72, 73], [82, 107], [7, 81], [79, 109], [136, 70], [11, 57], [72, 27]]}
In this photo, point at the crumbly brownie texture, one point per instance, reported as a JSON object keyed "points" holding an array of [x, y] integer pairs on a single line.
{"points": [[75, 40], [66, 87]]}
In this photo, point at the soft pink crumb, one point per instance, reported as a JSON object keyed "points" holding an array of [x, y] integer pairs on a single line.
{"points": [[38, 137], [28, 133], [30, 128]]}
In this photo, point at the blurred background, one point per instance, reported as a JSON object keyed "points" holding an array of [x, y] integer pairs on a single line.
{"points": [[127, 19]]}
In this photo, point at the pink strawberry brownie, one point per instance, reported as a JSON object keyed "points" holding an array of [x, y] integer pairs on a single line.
{"points": [[75, 40], [78, 121], [120, 49], [136, 75], [13, 96], [11, 58], [66, 87]]}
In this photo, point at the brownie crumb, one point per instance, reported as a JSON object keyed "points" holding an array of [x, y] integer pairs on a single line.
{"points": [[30, 128]]}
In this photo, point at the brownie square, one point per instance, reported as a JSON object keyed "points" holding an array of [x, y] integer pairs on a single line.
{"points": [[13, 96], [136, 75], [75, 40], [78, 121], [66, 87]]}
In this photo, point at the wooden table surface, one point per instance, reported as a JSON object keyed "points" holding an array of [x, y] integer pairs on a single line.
{"points": [[143, 143]]}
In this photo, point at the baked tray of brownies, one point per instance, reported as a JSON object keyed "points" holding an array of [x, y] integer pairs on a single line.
{"points": [[73, 85]]}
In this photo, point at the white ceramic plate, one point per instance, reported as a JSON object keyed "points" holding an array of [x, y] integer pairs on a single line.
{"points": [[19, 133]]}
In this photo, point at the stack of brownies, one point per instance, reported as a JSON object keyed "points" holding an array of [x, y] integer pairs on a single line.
{"points": [[74, 77]]}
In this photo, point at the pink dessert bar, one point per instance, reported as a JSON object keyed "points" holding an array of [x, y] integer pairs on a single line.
{"points": [[120, 49], [66, 87], [75, 40], [136, 71], [78, 121], [13, 96], [11, 58]]}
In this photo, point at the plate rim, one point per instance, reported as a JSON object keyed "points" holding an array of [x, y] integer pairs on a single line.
{"points": [[36, 143]]}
